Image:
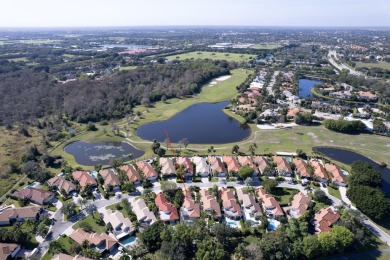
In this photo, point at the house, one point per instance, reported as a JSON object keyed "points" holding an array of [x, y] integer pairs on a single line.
{"points": [[11, 215], [68, 257], [190, 210], [232, 164], [202, 168], [270, 205], [83, 178], [319, 171], [247, 160], [100, 242], [301, 168], [147, 170], [111, 179], [210, 204], [230, 206], [263, 164], [186, 163], [337, 176], [291, 113], [34, 195], [282, 166], [217, 167], [143, 213], [131, 173], [9, 250], [366, 95], [121, 226], [324, 219], [240, 195], [250, 207], [167, 167], [168, 213], [299, 205], [61, 185]]}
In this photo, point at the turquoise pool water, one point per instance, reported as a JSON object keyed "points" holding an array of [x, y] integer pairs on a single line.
{"points": [[32, 185], [128, 240], [94, 174], [272, 225]]}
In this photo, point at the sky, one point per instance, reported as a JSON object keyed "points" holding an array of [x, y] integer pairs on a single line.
{"points": [[97, 13]]}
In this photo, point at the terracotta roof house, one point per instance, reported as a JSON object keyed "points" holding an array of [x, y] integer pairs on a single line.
{"points": [[232, 163], [8, 250], [143, 213], [251, 207], [301, 168], [299, 205], [247, 160], [110, 178], [147, 170], [131, 173], [100, 242], [68, 257], [167, 166], [319, 171], [270, 204], [34, 195], [202, 168], [187, 164], [121, 226], [190, 210], [168, 212], [10, 215], [366, 95], [83, 178], [324, 219], [240, 195], [291, 113], [262, 163], [282, 166], [209, 203], [230, 206], [61, 184], [217, 167], [337, 176]]}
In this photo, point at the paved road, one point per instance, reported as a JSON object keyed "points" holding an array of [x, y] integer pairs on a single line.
{"points": [[332, 58]]}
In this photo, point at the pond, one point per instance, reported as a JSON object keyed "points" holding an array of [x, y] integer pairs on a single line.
{"points": [[91, 154], [305, 86], [203, 123], [125, 46], [349, 157]]}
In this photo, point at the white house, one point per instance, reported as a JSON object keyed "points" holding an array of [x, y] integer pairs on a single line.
{"points": [[143, 213], [202, 168], [121, 226]]}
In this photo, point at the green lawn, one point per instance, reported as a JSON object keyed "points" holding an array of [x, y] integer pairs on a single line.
{"points": [[38, 41], [214, 180], [127, 67], [265, 46], [66, 243], [213, 56], [334, 193], [94, 221], [283, 195], [121, 210], [18, 59], [381, 64]]}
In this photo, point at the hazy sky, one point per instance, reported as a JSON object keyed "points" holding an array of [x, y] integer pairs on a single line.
{"points": [[69, 13]]}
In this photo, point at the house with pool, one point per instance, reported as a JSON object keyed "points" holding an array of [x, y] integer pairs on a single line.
{"points": [[190, 210], [299, 205], [270, 205], [143, 213], [121, 226], [231, 208], [63, 186], [210, 204], [99, 242], [201, 165], [251, 209]]}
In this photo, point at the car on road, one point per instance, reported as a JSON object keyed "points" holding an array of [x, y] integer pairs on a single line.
{"points": [[323, 185]]}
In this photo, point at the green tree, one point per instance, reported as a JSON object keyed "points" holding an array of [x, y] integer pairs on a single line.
{"points": [[269, 185], [151, 236], [343, 237], [311, 246], [245, 172], [235, 149], [275, 245], [68, 208], [364, 174], [55, 247], [210, 249]]}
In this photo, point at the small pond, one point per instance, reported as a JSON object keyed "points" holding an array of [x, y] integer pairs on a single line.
{"points": [[305, 86], [203, 123], [349, 157], [91, 154]]}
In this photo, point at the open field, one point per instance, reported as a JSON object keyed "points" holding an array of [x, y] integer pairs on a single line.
{"points": [[265, 46], [18, 59], [38, 41], [380, 64], [128, 68], [213, 56]]}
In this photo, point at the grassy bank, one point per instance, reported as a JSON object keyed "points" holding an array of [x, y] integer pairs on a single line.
{"points": [[212, 56]]}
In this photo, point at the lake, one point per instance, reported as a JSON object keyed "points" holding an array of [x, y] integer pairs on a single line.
{"points": [[203, 123], [125, 46], [91, 154], [349, 157], [305, 86]]}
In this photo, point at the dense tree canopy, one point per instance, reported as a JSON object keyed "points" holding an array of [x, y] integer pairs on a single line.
{"points": [[344, 126], [363, 173]]}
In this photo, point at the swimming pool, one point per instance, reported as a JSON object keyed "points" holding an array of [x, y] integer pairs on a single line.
{"points": [[128, 240], [94, 174], [32, 185], [273, 224], [233, 224]]}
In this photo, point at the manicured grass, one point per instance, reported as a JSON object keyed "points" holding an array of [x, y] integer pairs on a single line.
{"points": [[128, 68], [385, 256], [66, 243], [38, 41], [283, 195], [213, 56], [94, 221], [18, 59], [381, 64], [334, 193], [265, 46], [214, 180], [114, 207]]}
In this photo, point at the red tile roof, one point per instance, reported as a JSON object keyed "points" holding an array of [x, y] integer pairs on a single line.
{"points": [[325, 218], [232, 163], [83, 178], [146, 169], [337, 175], [164, 205], [301, 167], [131, 173], [36, 195]]}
